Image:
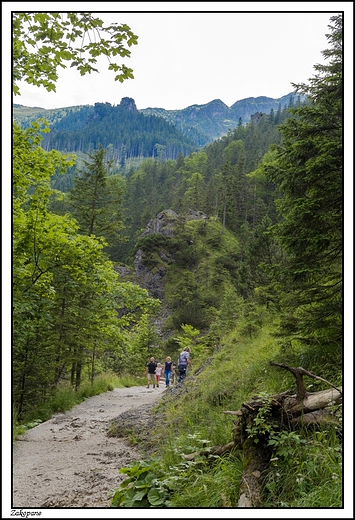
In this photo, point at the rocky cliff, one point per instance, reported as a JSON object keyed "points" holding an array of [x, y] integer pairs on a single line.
{"points": [[151, 264]]}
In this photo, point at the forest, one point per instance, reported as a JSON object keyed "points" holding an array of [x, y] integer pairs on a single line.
{"points": [[233, 249], [123, 128]]}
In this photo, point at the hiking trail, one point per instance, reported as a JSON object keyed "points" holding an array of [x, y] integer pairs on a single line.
{"points": [[69, 461]]}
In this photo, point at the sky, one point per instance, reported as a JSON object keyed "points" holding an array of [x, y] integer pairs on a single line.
{"points": [[230, 51]]}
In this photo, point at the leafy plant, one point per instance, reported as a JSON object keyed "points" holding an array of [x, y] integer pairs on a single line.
{"points": [[261, 423], [284, 443], [147, 485], [141, 488]]}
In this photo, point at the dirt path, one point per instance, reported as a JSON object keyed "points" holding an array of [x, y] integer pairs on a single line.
{"points": [[69, 461]]}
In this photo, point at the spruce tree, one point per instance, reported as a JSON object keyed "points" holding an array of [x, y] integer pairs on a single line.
{"points": [[97, 198], [308, 173]]}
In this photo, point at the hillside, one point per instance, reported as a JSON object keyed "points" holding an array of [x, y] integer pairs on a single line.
{"points": [[81, 128], [212, 120], [24, 115], [122, 128], [192, 266]]}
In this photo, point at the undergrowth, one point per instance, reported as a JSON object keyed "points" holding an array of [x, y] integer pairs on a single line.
{"points": [[306, 467]]}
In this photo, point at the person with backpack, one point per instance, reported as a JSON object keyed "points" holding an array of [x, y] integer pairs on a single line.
{"points": [[184, 362]]}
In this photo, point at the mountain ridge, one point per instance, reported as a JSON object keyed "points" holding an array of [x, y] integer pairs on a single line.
{"points": [[195, 125], [213, 119]]}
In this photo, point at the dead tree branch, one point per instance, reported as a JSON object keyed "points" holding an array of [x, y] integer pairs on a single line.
{"points": [[299, 372]]}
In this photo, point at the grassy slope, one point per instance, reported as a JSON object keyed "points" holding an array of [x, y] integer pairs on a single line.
{"points": [[307, 470]]}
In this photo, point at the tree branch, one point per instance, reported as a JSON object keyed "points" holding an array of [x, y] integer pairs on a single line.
{"points": [[298, 373]]}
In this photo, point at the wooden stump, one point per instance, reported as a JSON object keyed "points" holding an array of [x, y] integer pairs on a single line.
{"points": [[256, 461]]}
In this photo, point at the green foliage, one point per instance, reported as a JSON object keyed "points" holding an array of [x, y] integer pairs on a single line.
{"points": [[20, 429], [308, 172], [96, 199], [65, 291], [214, 485], [261, 424], [306, 470], [283, 443], [140, 488], [196, 281], [125, 132], [188, 338], [42, 42], [148, 485]]}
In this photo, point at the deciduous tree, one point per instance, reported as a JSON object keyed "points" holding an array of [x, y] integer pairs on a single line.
{"points": [[44, 41]]}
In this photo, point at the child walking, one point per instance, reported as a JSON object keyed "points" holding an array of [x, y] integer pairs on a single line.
{"points": [[158, 372]]}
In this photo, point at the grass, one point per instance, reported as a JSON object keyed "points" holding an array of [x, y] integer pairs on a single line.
{"points": [[306, 472], [216, 485], [65, 398], [310, 475]]}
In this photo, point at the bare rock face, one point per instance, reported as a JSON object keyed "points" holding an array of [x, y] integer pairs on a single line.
{"points": [[128, 104], [163, 224], [152, 278], [195, 215], [122, 270], [149, 279]]}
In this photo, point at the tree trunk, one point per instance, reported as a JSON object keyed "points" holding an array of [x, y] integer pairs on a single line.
{"points": [[287, 409], [256, 460]]}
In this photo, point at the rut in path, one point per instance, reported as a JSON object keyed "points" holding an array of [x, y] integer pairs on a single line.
{"points": [[68, 461]]}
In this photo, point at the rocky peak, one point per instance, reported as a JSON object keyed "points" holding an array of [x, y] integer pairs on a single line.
{"points": [[128, 104], [162, 224], [256, 117]]}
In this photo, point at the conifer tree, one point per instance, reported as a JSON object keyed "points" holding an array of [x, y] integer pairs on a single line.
{"points": [[308, 172], [96, 198]]}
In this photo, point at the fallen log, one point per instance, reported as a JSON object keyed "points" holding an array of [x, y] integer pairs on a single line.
{"points": [[256, 461], [312, 402], [316, 417], [288, 410]]}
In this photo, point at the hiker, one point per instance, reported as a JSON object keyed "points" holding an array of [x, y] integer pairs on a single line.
{"points": [[167, 370], [184, 362], [158, 372], [150, 371]]}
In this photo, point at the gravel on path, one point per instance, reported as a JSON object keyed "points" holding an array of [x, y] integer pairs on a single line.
{"points": [[69, 460]]}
